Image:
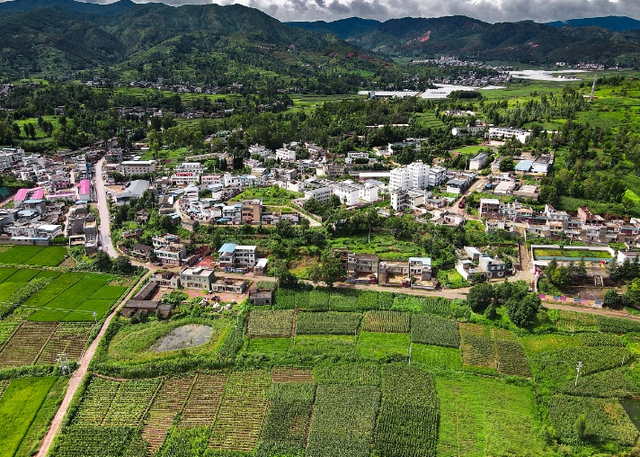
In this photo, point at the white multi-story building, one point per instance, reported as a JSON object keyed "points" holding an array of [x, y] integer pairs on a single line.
{"points": [[138, 167], [348, 194], [262, 151], [237, 256], [192, 167], [417, 176], [197, 278], [185, 178], [504, 133], [285, 155], [10, 156], [322, 194]]}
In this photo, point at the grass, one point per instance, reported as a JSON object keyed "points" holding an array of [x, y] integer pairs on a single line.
{"points": [[436, 357], [268, 346], [384, 245], [18, 407], [324, 345], [483, 416], [383, 346], [578, 254]]}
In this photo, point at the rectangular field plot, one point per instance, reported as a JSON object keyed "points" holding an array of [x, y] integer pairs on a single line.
{"points": [[298, 375], [386, 322], [93, 440], [241, 413], [108, 292], [409, 417], [343, 421], [204, 400], [96, 401], [19, 255], [53, 289], [268, 346], [67, 338], [131, 402], [167, 404], [536, 344], [270, 323], [511, 358], [434, 330], [287, 421], [15, 282], [330, 345], [19, 405], [329, 323], [51, 256], [484, 416], [436, 357], [383, 346], [494, 349], [348, 374], [6, 272], [26, 344]]}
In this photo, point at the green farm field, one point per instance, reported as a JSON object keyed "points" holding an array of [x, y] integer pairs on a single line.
{"points": [[34, 255], [25, 405]]}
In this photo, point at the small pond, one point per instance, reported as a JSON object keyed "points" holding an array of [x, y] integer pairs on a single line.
{"points": [[632, 407], [184, 337]]}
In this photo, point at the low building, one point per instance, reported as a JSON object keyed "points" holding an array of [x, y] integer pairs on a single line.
{"points": [[234, 286], [166, 279], [420, 267], [489, 207], [478, 162], [138, 167], [261, 297], [197, 278], [171, 254]]}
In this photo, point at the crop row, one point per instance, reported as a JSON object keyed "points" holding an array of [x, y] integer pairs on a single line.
{"points": [[287, 420], [239, 419], [26, 344], [204, 401], [94, 441], [328, 323], [270, 323], [386, 322], [408, 420], [617, 325], [511, 358], [131, 402], [348, 374], [343, 421], [434, 330]]}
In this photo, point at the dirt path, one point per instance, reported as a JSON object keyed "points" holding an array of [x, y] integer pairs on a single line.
{"points": [[78, 376]]}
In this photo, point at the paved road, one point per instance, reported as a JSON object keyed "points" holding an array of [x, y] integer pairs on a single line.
{"points": [[103, 210], [77, 377]]}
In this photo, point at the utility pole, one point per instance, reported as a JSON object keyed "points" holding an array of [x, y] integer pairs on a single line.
{"points": [[63, 362], [409, 355], [95, 317], [577, 373]]}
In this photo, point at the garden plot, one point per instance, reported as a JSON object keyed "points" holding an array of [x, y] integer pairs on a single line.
{"points": [[329, 323], [343, 421], [494, 349], [386, 322], [287, 421], [409, 416], [348, 374], [202, 406], [68, 338], [324, 345], [436, 357], [25, 345], [292, 375], [239, 419], [168, 402], [268, 323], [131, 402], [434, 330], [536, 344], [383, 346]]}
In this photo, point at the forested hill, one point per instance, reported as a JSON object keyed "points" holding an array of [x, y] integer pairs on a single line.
{"points": [[526, 41], [211, 39]]}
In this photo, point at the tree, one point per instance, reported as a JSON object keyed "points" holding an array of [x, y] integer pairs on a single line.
{"points": [[632, 296], [611, 298], [330, 268], [314, 273], [103, 262], [122, 265], [522, 312], [304, 224], [286, 279], [480, 297]]}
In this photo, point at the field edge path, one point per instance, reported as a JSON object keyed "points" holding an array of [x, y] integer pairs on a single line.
{"points": [[78, 376]]}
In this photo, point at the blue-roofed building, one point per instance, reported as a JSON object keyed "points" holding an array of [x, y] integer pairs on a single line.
{"points": [[524, 166], [236, 256]]}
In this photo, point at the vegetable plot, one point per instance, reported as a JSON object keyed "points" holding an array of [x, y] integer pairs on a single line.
{"points": [[204, 400], [410, 413], [343, 421], [270, 323], [329, 323], [434, 330], [386, 322], [239, 419]]}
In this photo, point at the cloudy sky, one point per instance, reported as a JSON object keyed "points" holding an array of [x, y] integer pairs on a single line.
{"points": [[486, 10]]}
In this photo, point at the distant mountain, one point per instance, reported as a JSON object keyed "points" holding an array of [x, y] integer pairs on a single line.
{"points": [[110, 9], [469, 38], [613, 23], [343, 28], [195, 42]]}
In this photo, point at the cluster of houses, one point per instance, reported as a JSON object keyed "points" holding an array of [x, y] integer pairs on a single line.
{"points": [[57, 204]]}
